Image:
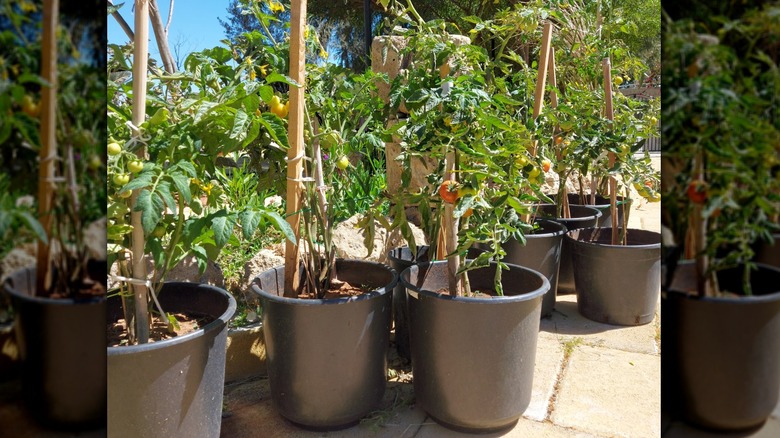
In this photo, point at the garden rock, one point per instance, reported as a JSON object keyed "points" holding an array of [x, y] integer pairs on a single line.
{"points": [[264, 260], [18, 258], [96, 240], [186, 270], [348, 240]]}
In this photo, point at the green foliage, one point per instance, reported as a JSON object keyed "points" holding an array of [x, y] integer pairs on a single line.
{"points": [[216, 106], [80, 185], [720, 129]]}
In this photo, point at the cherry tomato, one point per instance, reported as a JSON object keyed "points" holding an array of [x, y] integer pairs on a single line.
{"points": [[448, 190], [121, 179], [135, 166], [697, 192], [114, 149]]}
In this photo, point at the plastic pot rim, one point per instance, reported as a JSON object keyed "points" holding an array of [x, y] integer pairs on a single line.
{"points": [[214, 326], [740, 300], [380, 291], [497, 300], [46, 300], [629, 246]]}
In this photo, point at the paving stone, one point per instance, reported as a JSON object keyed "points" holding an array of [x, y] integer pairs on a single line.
{"points": [[610, 392], [524, 428], [249, 413], [567, 322], [549, 360]]}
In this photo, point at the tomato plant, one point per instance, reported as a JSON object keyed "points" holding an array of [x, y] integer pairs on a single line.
{"points": [[208, 109], [720, 133]]}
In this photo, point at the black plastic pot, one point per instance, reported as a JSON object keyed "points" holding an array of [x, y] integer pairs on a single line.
{"points": [[327, 359], [542, 253], [399, 259], [473, 358], [582, 216], [768, 253], [62, 346], [172, 387], [723, 354], [602, 205], [616, 284]]}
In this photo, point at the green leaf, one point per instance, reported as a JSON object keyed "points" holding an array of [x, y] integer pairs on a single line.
{"points": [[164, 191], [239, 125], [182, 184], [187, 167], [141, 181], [222, 225], [281, 224], [173, 323], [277, 77], [249, 219], [34, 225], [118, 231], [276, 129], [151, 207], [154, 246], [266, 92]]}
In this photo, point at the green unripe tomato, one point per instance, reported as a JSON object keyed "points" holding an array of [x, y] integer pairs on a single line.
{"points": [[159, 231], [114, 148], [343, 162], [135, 166], [126, 194], [95, 162], [330, 139], [121, 179]]}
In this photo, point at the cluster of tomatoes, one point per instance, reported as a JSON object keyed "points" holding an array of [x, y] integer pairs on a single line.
{"points": [[131, 166], [647, 191]]}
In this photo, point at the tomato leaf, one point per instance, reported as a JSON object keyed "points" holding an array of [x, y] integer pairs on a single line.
{"points": [[151, 207]]}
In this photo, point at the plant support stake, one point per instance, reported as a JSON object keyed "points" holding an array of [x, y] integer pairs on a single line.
{"points": [[541, 78], [292, 275], [611, 155], [48, 152], [140, 55]]}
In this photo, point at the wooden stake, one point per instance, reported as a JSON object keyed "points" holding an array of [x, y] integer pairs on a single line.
{"points": [[541, 78], [565, 213], [48, 152], [140, 63], [611, 155], [292, 275]]}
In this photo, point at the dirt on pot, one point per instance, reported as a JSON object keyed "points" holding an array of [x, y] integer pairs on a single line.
{"points": [[340, 289], [161, 329]]}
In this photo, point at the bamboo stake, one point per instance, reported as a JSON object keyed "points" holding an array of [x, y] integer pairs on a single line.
{"points": [[292, 275], [140, 62], [611, 155], [541, 78], [448, 236], [558, 152], [48, 152]]}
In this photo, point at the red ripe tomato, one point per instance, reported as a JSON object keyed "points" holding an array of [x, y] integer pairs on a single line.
{"points": [[448, 190], [697, 192]]}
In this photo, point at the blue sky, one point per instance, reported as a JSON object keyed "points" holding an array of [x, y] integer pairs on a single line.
{"points": [[194, 25]]}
